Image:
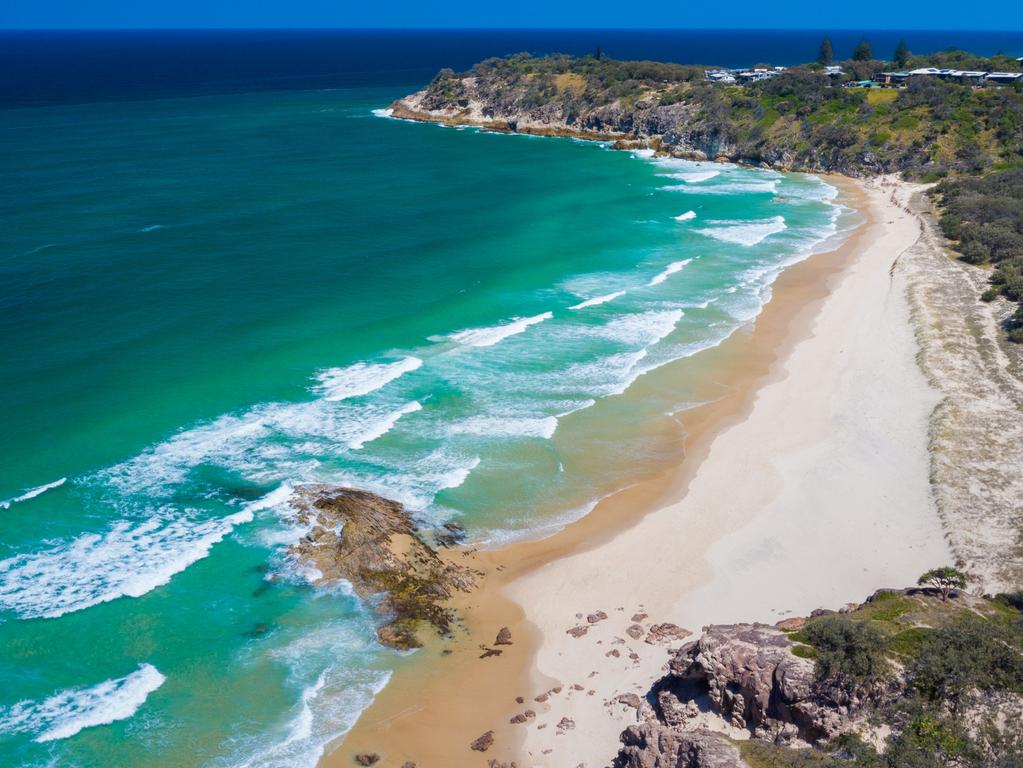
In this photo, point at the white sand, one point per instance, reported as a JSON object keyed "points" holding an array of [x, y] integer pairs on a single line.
{"points": [[816, 499]]}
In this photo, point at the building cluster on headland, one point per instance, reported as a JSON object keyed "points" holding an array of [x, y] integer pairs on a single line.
{"points": [[744, 76]]}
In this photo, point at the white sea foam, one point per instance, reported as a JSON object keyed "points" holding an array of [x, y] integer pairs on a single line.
{"points": [[765, 186], [671, 269], [687, 216], [383, 112], [597, 300], [488, 337], [641, 328], [746, 233], [694, 176], [510, 426], [362, 378], [330, 667], [151, 228], [66, 713], [32, 493], [384, 425], [128, 559]]}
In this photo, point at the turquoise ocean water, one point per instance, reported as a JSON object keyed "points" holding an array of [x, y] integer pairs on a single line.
{"points": [[209, 300]]}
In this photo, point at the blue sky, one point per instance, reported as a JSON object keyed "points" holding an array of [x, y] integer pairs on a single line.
{"points": [[763, 14]]}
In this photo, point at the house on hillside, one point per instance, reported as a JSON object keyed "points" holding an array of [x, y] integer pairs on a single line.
{"points": [[720, 76], [891, 78], [756, 75], [1003, 78], [966, 76]]}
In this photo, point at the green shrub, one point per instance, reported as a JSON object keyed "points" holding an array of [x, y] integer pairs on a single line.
{"points": [[847, 651], [974, 654]]}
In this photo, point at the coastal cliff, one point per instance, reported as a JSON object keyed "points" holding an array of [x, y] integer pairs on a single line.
{"points": [[803, 120]]}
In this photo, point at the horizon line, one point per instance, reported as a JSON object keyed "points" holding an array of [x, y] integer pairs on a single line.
{"points": [[507, 29]]}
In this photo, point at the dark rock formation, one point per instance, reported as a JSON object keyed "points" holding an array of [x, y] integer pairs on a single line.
{"points": [[652, 745], [484, 742], [372, 543], [367, 758], [504, 637]]}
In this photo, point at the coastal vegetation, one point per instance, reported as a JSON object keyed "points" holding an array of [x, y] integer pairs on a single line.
{"points": [[983, 216]]}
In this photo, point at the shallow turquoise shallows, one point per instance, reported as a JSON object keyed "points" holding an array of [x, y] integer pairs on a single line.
{"points": [[207, 301]]}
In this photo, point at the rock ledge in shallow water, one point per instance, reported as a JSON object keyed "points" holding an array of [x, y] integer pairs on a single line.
{"points": [[372, 543]]}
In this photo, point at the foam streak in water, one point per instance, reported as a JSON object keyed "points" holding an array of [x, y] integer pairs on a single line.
{"points": [[362, 378], [31, 494], [66, 713], [597, 300], [745, 233], [671, 269], [488, 337]]}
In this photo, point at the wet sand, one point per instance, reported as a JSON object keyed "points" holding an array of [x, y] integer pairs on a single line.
{"points": [[765, 510]]}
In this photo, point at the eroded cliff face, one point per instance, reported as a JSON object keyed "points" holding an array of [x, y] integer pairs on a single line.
{"points": [[685, 130], [372, 543]]}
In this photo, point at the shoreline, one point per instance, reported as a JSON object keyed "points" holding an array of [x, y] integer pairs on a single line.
{"points": [[460, 696]]}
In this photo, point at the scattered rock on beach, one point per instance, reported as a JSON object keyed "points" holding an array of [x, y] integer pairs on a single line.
{"points": [[503, 637], [629, 700], [484, 742], [566, 724], [638, 617], [667, 631], [542, 698], [596, 616], [367, 758], [520, 700], [523, 717], [577, 631], [488, 652], [635, 631]]}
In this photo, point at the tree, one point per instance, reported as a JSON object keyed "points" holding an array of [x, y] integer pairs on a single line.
{"points": [[827, 53], [863, 51], [901, 54], [944, 580]]}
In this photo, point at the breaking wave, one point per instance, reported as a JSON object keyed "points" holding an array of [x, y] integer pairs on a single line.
{"points": [[746, 233], [597, 300], [671, 269], [66, 713], [32, 493], [362, 378], [488, 337]]}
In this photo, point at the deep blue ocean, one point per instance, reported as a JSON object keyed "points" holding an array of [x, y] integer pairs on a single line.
{"points": [[58, 67]]}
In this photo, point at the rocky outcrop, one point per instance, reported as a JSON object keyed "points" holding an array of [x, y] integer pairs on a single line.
{"points": [[741, 679], [372, 543], [748, 675], [652, 745]]}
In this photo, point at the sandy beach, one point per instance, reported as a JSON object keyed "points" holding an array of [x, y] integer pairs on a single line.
{"points": [[802, 483]]}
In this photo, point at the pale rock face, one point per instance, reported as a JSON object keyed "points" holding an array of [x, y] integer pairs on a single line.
{"points": [[652, 745], [750, 677]]}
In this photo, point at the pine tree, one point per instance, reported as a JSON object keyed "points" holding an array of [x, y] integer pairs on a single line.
{"points": [[901, 54], [863, 51], [827, 53]]}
